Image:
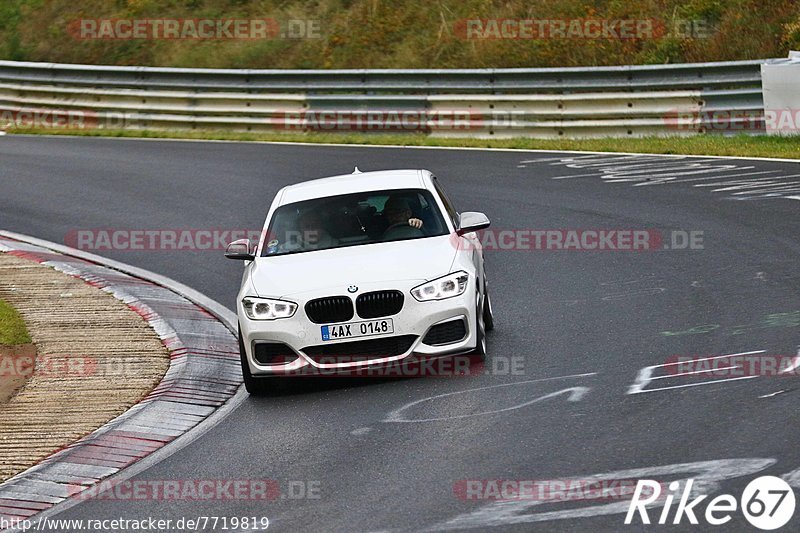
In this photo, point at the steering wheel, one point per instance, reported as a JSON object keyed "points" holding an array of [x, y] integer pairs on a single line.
{"points": [[398, 225]]}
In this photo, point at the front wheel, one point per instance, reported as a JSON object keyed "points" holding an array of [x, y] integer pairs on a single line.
{"points": [[253, 385], [488, 313], [480, 331]]}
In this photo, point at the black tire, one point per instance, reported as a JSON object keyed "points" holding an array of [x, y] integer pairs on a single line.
{"points": [[253, 385], [480, 332], [488, 313]]}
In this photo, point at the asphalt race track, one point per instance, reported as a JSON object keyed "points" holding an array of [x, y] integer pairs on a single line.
{"points": [[581, 328]]}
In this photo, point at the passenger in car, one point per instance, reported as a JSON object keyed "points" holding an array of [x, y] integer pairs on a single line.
{"points": [[313, 234]]}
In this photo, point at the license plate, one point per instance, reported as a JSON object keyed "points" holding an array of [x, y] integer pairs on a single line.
{"points": [[351, 330]]}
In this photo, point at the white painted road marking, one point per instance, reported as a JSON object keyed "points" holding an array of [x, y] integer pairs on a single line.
{"points": [[642, 170], [706, 476], [645, 376], [574, 394], [795, 364]]}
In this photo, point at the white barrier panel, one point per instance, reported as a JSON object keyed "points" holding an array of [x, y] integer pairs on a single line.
{"points": [[781, 89]]}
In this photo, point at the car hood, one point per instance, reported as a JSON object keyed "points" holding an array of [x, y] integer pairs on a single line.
{"points": [[337, 269]]}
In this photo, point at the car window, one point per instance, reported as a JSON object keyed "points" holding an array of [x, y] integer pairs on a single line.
{"points": [[351, 220], [448, 205]]}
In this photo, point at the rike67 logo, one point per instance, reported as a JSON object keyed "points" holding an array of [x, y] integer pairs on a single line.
{"points": [[767, 503]]}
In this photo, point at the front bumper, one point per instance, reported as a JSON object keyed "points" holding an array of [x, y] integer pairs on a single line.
{"points": [[414, 319]]}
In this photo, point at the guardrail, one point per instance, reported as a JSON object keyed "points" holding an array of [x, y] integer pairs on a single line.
{"points": [[723, 97]]}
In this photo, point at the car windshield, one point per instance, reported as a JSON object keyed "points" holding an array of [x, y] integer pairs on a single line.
{"points": [[353, 219]]}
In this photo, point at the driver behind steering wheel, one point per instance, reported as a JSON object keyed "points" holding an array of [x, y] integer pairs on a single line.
{"points": [[402, 225]]}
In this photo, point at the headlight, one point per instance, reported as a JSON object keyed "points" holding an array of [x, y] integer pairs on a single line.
{"points": [[451, 285], [267, 309]]}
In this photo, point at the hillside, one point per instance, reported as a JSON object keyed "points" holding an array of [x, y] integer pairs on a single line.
{"points": [[403, 34]]}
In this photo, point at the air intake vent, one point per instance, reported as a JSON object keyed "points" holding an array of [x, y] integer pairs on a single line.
{"points": [[273, 353], [360, 350], [447, 333]]}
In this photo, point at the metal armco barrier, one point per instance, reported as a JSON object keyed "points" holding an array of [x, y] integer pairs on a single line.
{"points": [[684, 99]]}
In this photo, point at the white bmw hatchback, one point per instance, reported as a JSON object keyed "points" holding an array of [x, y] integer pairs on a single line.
{"points": [[360, 270]]}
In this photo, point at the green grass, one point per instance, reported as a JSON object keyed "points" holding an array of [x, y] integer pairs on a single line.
{"points": [[12, 328], [739, 145], [404, 34]]}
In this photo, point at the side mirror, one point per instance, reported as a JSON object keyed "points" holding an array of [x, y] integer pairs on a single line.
{"points": [[240, 250], [472, 221]]}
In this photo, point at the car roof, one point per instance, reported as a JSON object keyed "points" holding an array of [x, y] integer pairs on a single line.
{"points": [[352, 183]]}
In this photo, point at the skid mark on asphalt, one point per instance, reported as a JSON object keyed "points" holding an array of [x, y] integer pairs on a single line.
{"points": [[789, 319], [611, 292], [632, 294], [618, 290], [740, 181], [650, 279]]}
